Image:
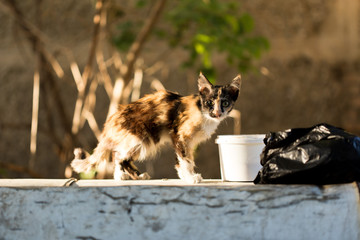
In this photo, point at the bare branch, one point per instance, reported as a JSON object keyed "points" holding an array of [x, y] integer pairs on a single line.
{"points": [[116, 96], [48, 65], [236, 115], [103, 74], [20, 169], [14, 125], [100, 13], [77, 76], [35, 118], [157, 85], [34, 35], [93, 124], [138, 78], [154, 68], [141, 38], [88, 109]]}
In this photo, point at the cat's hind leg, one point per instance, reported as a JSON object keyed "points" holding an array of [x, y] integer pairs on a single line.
{"points": [[119, 173], [126, 170]]}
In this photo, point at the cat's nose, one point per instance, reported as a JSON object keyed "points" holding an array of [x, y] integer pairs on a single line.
{"points": [[217, 114]]}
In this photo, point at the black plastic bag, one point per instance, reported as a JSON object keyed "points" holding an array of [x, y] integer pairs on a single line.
{"points": [[322, 154]]}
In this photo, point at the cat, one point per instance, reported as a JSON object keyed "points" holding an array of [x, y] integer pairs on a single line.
{"points": [[137, 130]]}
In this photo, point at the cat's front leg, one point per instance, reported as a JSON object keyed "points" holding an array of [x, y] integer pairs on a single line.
{"points": [[185, 161], [185, 170]]}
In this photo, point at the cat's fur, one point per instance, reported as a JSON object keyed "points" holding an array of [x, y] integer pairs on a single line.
{"points": [[137, 130]]}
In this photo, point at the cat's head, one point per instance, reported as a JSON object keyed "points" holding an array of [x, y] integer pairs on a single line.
{"points": [[218, 101]]}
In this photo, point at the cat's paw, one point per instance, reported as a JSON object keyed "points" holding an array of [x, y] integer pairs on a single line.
{"points": [[144, 176], [125, 176], [121, 176], [195, 178]]}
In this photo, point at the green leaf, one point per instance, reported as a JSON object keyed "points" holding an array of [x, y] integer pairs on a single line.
{"points": [[209, 73], [246, 22], [141, 3], [233, 22], [203, 38], [206, 59], [199, 48], [203, 28], [126, 36], [88, 175]]}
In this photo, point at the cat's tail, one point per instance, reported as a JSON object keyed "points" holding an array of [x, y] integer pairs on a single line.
{"points": [[84, 162]]}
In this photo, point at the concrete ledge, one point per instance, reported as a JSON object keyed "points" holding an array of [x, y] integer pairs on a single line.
{"points": [[157, 209], [36, 183]]}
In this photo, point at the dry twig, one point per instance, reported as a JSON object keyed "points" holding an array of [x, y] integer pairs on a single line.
{"points": [[34, 36], [141, 38], [20, 169], [79, 106]]}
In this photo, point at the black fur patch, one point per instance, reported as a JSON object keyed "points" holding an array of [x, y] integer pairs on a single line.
{"points": [[174, 113], [171, 97], [232, 92], [177, 117], [141, 120], [198, 104], [180, 149], [128, 167]]}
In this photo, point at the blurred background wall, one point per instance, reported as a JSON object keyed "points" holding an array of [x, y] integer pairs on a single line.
{"points": [[310, 74]]}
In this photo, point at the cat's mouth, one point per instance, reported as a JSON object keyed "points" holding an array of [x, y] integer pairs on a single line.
{"points": [[216, 115]]}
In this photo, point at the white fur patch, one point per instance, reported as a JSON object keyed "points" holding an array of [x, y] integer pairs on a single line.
{"points": [[185, 171]]}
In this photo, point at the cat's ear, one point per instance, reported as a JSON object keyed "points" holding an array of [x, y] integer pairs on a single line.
{"points": [[204, 85], [235, 86], [236, 82]]}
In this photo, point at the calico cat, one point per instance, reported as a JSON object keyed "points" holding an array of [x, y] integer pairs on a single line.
{"points": [[137, 130]]}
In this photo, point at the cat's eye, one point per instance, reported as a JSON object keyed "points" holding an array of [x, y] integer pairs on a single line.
{"points": [[209, 103], [225, 103]]}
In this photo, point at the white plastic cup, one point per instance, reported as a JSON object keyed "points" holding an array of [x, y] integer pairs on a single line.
{"points": [[240, 156]]}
